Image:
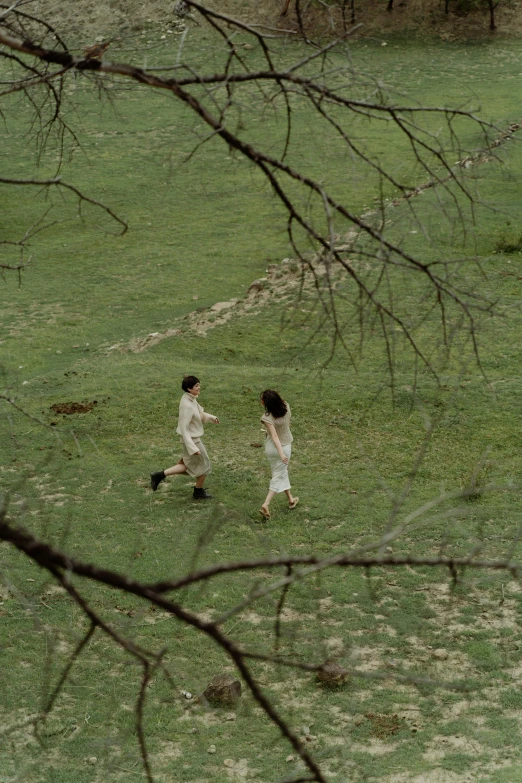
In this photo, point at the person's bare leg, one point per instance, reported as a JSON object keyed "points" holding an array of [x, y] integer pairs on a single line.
{"points": [[293, 500], [176, 469], [161, 475], [269, 497], [200, 493]]}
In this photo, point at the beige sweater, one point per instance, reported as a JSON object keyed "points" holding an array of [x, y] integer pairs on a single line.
{"points": [[190, 422], [282, 426]]}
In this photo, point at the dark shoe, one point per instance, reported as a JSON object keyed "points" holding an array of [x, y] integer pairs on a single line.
{"points": [[200, 493], [156, 479]]}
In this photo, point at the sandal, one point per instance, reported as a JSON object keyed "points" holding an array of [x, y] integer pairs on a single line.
{"points": [[294, 503], [264, 512]]}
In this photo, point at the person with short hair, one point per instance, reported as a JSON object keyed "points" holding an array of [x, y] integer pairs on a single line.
{"points": [[194, 459], [278, 447]]}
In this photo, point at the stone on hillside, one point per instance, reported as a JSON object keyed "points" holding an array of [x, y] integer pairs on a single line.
{"points": [[257, 285], [181, 8], [440, 654], [223, 691], [333, 675], [219, 306]]}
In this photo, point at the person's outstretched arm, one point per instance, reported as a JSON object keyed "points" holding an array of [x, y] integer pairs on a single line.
{"points": [[207, 417]]}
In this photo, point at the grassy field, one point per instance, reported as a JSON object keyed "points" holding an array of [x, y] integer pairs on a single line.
{"points": [[200, 233]]}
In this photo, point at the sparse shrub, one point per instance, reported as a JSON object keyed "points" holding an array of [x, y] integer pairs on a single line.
{"points": [[478, 479], [509, 245], [467, 6], [484, 655]]}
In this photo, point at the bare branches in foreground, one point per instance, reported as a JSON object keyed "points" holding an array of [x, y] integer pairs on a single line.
{"points": [[69, 571]]}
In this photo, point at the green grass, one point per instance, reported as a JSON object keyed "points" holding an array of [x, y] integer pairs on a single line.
{"points": [[84, 483]]}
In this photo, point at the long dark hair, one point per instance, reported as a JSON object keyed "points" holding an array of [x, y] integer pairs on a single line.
{"points": [[274, 403]]}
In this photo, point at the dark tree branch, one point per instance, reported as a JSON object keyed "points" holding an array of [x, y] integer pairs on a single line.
{"points": [[58, 182], [65, 674], [279, 609], [277, 171]]}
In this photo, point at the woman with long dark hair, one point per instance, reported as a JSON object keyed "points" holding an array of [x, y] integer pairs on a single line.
{"points": [[278, 447], [194, 460]]}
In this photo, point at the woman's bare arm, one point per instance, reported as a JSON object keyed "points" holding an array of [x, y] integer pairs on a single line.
{"points": [[277, 443]]}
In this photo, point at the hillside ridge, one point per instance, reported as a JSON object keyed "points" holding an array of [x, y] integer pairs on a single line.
{"points": [[421, 17]]}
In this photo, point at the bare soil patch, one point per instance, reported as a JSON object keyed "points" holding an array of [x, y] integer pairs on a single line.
{"points": [[68, 408], [284, 282], [384, 725]]}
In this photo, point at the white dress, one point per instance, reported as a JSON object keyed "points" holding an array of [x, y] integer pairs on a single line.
{"points": [[280, 480]]}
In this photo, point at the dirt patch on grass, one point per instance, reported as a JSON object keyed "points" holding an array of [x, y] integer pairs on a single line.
{"points": [[383, 726], [69, 408], [285, 282], [170, 751]]}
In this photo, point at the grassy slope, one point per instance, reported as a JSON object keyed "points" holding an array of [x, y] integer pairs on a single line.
{"points": [[93, 499]]}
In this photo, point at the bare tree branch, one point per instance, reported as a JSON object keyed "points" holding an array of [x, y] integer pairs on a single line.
{"points": [[426, 149], [45, 183]]}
